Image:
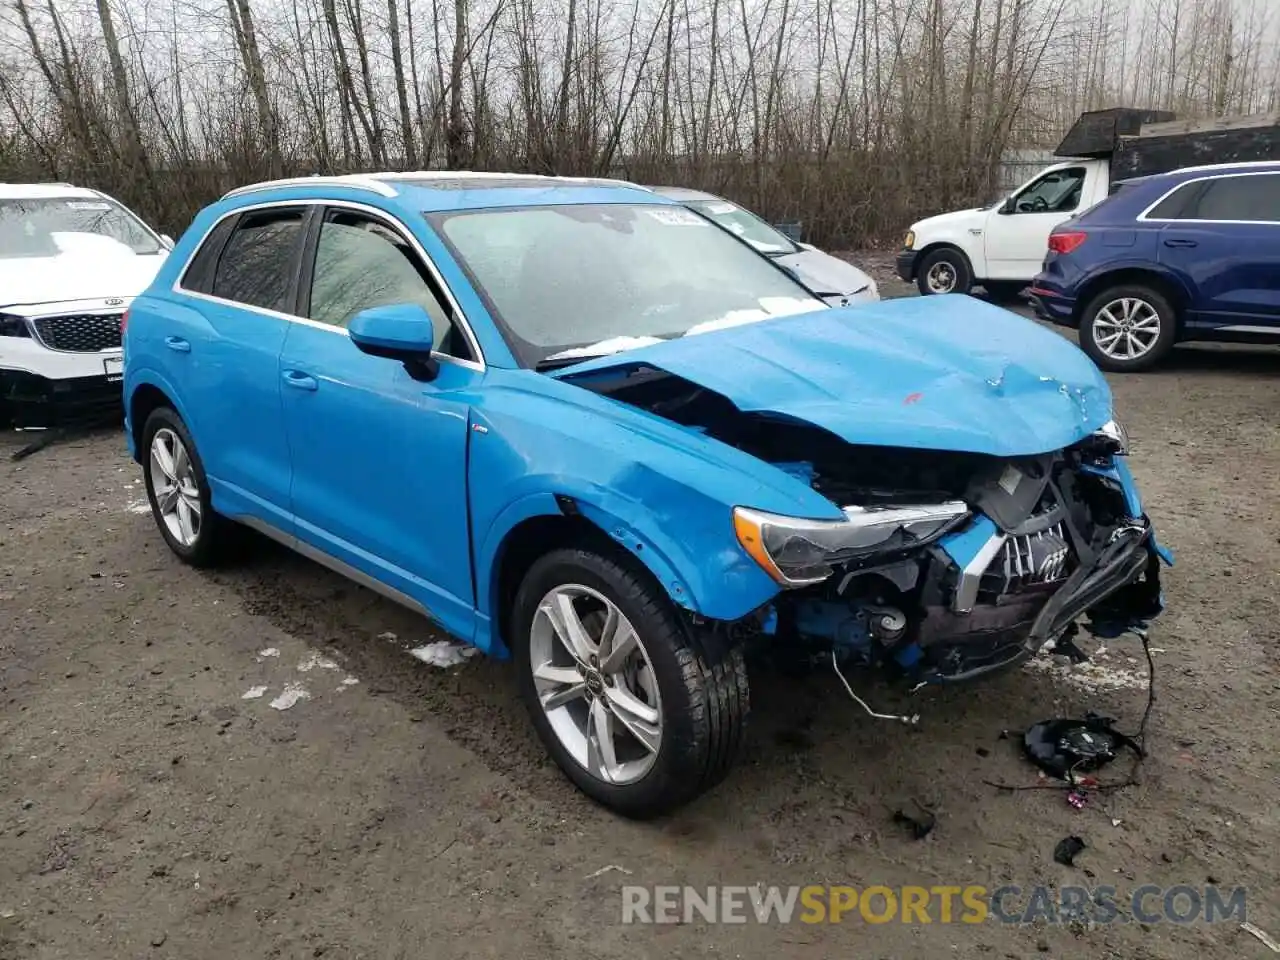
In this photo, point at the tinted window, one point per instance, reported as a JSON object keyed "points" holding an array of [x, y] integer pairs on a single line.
{"points": [[199, 272], [1255, 197], [362, 263], [257, 265], [1174, 206]]}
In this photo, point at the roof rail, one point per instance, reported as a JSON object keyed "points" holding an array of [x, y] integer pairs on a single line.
{"points": [[356, 180], [1243, 164], [493, 175]]}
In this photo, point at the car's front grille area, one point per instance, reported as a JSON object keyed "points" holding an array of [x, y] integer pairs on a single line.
{"points": [[1031, 558], [79, 333]]}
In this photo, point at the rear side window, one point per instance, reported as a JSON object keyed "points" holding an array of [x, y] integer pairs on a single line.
{"points": [[1251, 198], [1176, 204], [258, 264]]}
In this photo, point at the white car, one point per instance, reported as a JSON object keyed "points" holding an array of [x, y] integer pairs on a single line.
{"points": [[836, 281], [71, 260]]}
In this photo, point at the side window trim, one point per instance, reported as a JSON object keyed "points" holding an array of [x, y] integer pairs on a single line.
{"points": [[1196, 189]]}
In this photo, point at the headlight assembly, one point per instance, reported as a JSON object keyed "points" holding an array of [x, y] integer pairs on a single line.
{"points": [[910, 242], [11, 326], [797, 552], [1111, 438]]}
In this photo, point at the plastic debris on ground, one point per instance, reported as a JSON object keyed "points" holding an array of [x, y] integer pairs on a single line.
{"points": [[1067, 850], [444, 653], [1065, 748]]}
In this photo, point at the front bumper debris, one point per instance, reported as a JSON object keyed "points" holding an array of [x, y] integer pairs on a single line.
{"points": [[28, 400]]}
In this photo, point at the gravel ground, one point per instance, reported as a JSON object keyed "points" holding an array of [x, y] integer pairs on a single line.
{"points": [[150, 806]]}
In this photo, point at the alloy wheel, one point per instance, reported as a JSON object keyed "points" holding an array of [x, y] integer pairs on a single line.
{"points": [[1126, 328], [174, 484], [941, 277], [596, 684]]}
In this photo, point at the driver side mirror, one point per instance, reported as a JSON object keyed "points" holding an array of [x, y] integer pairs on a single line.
{"points": [[399, 331], [167, 240], [1009, 205]]}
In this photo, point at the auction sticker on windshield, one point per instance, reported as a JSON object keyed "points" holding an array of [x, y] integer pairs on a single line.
{"points": [[678, 218]]}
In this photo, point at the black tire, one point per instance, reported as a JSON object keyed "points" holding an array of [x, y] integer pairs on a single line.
{"points": [[1165, 339], [940, 260], [215, 535], [701, 679]]}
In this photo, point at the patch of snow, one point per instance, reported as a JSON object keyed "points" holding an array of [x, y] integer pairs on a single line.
{"points": [[315, 660], [1097, 675], [444, 653], [138, 506], [268, 652], [348, 682], [388, 636], [293, 692], [254, 693]]}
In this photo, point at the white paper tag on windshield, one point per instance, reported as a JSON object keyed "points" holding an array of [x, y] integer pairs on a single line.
{"points": [[88, 205], [1010, 479], [677, 217], [719, 206]]}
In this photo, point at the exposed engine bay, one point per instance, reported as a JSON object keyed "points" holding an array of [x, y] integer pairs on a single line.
{"points": [[958, 564]]}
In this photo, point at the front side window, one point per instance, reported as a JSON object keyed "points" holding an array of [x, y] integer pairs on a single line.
{"points": [[577, 280], [1056, 192], [748, 226], [361, 263], [51, 226], [257, 265]]}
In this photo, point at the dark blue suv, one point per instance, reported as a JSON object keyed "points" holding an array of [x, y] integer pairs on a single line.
{"points": [[1188, 255]]}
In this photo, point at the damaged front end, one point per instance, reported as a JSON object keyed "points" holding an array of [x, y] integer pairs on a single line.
{"points": [[1000, 562], [947, 565]]}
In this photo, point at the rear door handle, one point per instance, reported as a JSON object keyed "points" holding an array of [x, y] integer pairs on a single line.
{"points": [[300, 380], [1180, 243], [177, 344]]}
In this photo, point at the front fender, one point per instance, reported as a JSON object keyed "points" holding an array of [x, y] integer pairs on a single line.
{"points": [[702, 571]]}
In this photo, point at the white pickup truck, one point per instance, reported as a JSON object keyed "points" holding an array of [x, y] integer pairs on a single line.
{"points": [[1001, 247]]}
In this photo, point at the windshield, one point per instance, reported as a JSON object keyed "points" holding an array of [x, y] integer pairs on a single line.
{"points": [[579, 280], [49, 226], [748, 226]]}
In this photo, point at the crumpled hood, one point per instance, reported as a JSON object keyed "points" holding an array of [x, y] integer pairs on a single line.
{"points": [[83, 271], [942, 373]]}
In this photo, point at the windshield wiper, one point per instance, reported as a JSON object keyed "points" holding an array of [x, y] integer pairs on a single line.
{"points": [[558, 363]]}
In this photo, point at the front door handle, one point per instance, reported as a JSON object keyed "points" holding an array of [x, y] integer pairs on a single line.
{"points": [[1180, 243], [300, 380], [177, 344]]}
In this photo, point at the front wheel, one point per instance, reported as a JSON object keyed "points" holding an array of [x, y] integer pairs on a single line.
{"points": [[640, 709], [1128, 328], [945, 270]]}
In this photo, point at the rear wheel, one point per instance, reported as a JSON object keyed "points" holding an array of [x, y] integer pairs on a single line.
{"points": [[945, 270], [178, 491], [1128, 328], [641, 710]]}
